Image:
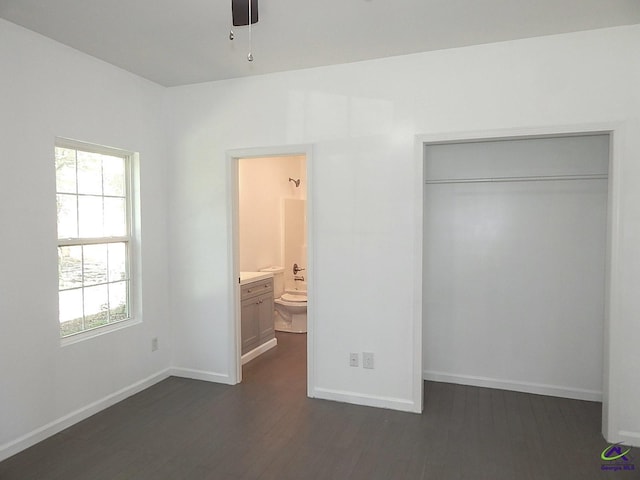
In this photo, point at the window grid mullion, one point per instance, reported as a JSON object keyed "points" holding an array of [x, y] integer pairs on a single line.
{"points": [[92, 195], [77, 199], [72, 242], [102, 193], [108, 282], [84, 318], [126, 279]]}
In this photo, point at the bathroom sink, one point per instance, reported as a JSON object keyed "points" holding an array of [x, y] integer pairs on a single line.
{"points": [[248, 277]]}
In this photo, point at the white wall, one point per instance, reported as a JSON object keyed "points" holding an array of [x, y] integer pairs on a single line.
{"points": [[362, 120], [263, 183], [49, 90]]}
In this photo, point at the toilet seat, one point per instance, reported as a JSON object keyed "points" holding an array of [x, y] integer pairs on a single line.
{"points": [[290, 297]]}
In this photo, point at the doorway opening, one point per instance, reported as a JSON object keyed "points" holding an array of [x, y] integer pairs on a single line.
{"points": [[516, 261], [271, 250]]}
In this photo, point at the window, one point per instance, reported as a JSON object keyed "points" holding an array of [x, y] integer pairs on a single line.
{"points": [[94, 236]]}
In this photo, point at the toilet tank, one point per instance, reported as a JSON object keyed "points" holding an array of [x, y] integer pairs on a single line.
{"points": [[278, 279]]}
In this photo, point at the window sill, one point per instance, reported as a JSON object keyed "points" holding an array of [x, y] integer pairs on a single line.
{"points": [[97, 332]]}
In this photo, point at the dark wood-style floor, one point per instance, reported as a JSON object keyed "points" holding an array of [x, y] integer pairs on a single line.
{"points": [[266, 428]]}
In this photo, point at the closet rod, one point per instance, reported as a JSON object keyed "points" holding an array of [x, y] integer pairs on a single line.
{"points": [[517, 179]]}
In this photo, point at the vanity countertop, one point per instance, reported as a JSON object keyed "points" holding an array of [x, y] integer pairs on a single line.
{"points": [[248, 277]]}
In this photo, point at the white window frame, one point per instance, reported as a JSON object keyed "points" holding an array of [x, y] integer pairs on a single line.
{"points": [[130, 159]]}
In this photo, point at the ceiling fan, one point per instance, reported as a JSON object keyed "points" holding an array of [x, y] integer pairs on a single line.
{"points": [[244, 12]]}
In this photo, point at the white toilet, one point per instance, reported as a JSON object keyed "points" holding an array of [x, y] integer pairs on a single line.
{"points": [[290, 313]]}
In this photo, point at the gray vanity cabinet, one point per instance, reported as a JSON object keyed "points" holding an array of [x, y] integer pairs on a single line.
{"points": [[256, 315]]}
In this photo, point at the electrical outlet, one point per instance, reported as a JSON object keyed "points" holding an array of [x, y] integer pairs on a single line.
{"points": [[367, 360], [353, 359], [154, 344]]}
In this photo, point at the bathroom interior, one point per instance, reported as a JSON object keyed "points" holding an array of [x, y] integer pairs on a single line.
{"points": [[272, 250]]}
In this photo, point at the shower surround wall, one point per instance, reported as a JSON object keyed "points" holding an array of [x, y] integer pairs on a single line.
{"points": [[263, 184], [295, 241]]}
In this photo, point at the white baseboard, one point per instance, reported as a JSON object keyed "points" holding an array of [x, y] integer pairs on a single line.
{"points": [[525, 387], [201, 375], [366, 400], [256, 352], [631, 439], [25, 441]]}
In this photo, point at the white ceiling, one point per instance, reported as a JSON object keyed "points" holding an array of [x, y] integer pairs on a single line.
{"points": [[177, 42]]}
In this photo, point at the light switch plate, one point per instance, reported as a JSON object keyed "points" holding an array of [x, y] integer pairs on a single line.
{"points": [[367, 359], [354, 359]]}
